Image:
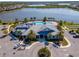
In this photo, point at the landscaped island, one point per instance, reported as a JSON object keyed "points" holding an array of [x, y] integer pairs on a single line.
{"points": [[44, 52]]}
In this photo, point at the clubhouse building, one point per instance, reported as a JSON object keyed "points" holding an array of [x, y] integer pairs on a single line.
{"points": [[42, 30]]}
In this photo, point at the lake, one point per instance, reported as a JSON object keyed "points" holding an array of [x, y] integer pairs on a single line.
{"points": [[58, 13]]}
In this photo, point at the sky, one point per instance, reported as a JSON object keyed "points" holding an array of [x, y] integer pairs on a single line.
{"points": [[39, 0]]}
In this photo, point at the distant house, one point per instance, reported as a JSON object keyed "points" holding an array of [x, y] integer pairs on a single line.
{"points": [[63, 3]]}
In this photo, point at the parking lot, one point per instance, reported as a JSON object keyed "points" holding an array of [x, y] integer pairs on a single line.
{"points": [[6, 48]]}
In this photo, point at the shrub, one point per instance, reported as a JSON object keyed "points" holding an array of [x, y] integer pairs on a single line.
{"points": [[44, 52]]}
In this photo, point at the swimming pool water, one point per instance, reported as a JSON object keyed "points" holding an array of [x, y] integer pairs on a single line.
{"points": [[39, 23]]}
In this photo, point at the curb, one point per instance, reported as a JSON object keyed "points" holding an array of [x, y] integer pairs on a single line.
{"points": [[69, 44], [31, 45], [9, 27]]}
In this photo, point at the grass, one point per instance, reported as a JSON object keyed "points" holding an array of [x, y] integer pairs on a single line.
{"points": [[5, 32], [64, 42], [49, 6], [32, 42]]}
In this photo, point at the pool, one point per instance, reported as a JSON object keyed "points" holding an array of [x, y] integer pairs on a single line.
{"points": [[39, 23]]}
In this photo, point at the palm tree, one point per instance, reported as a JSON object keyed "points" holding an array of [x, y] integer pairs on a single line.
{"points": [[61, 36], [34, 18], [31, 18], [45, 19], [31, 35], [16, 20], [49, 35], [61, 23]]}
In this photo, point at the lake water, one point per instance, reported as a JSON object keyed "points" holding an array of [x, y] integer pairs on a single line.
{"points": [[58, 13]]}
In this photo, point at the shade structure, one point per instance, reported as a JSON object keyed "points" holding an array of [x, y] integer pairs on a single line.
{"points": [[45, 31]]}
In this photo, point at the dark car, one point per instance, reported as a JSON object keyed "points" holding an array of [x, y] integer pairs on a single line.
{"points": [[76, 36], [55, 45], [16, 46]]}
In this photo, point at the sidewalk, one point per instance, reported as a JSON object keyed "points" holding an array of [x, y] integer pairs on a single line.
{"points": [[31, 45]]}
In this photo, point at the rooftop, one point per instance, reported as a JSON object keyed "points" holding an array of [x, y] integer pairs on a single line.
{"points": [[38, 28]]}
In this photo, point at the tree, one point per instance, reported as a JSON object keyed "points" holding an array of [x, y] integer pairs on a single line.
{"points": [[49, 36], [25, 20], [77, 30], [31, 35], [59, 27], [61, 23], [44, 52], [61, 35], [65, 23], [34, 18], [0, 21], [31, 18], [72, 23], [19, 35], [45, 19], [16, 20], [5, 32]]}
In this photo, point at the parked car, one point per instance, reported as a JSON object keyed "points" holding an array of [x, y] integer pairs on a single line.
{"points": [[55, 45], [16, 46], [76, 36]]}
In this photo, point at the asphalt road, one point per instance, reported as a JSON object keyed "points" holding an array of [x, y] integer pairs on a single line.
{"points": [[6, 49]]}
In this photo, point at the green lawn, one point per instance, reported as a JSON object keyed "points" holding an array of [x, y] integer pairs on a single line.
{"points": [[48, 6]]}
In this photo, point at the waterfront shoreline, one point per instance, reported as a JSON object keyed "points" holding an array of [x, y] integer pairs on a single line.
{"points": [[42, 7]]}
